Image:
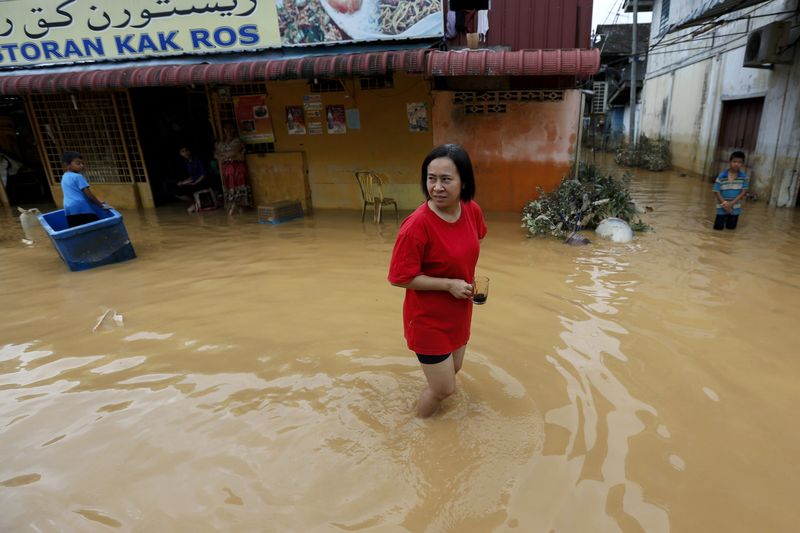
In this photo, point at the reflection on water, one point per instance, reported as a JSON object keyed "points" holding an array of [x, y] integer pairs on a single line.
{"points": [[257, 379]]}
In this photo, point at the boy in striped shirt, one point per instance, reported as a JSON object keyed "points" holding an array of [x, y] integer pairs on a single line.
{"points": [[730, 188]]}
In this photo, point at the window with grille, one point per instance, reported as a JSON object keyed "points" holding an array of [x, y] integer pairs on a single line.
{"points": [[324, 85], [226, 112], [663, 21], [493, 102], [376, 82], [599, 100], [99, 125]]}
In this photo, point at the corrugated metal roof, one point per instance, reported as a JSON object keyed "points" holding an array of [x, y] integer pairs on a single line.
{"points": [[540, 24], [340, 65], [573, 62], [616, 39], [455, 63]]}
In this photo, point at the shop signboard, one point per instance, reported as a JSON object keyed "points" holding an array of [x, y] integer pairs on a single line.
{"points": [[46, 32]]}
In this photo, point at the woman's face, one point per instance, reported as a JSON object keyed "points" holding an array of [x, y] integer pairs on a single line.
{"points": [[228, 131], [444, 183]]}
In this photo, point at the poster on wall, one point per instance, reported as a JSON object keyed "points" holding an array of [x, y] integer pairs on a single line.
{"points": [[312, 102], [315, 128], [78, 31], [337, 123], [417, 116], [252, 118], [295, 120]]}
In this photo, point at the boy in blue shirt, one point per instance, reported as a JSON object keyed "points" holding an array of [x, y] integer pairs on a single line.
{"points": [[730, 187], [78, 199]]}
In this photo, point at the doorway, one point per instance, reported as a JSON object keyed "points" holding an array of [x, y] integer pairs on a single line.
{"points": [[22, 177], [167, 119], [738, 130]]}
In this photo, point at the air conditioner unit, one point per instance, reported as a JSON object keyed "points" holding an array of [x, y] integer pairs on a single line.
{"points": [[769, 45]]}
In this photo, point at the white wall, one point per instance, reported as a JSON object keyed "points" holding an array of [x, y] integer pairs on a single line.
{"points": [[687, 83]]}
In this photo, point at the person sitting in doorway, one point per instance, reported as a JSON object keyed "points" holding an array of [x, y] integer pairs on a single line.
{"points": [[196, 180], [78, 197]]}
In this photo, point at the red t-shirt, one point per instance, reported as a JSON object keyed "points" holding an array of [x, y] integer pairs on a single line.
{"points": [[435, 322]]}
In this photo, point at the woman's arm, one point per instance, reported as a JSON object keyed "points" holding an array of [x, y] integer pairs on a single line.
{"points": [[458, 288]]}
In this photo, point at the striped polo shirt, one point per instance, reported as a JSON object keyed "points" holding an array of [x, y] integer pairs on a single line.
{"points": [[730, 189]]}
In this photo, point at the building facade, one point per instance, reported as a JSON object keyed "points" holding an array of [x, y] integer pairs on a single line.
{"points": [[725, 76], [610, 104], [315, 96]]}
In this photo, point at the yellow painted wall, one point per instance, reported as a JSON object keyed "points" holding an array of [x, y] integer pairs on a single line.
{"points": [[384, 142], [118, 195]]}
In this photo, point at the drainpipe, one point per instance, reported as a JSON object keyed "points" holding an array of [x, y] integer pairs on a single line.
{"points": [[632, 125], [583, 93]]}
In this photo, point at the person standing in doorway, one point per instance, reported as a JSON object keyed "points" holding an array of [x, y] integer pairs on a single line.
{"points": [[78, 197], [434, 259], [229, 152], [730, 188]]}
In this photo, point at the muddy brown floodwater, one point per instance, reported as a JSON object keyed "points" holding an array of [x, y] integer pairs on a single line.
{"points": [[258, 380]]}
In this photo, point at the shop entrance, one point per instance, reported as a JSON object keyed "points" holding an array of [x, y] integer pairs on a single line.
{"points": [[23, 180], [168, 118]]}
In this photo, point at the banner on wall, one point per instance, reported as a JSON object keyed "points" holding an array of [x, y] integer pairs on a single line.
{"points": [[252, 117], [295, 120], [73, 31], [337, 123]]}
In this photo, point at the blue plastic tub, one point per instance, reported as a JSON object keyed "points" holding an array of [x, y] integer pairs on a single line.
{"points": [[91, 245]]}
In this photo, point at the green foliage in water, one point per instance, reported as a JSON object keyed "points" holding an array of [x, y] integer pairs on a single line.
{"points": [[581, 202], [650, 154]]}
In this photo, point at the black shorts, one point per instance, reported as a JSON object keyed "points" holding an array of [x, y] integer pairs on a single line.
{"points": [[432, 359], [725, 221]]}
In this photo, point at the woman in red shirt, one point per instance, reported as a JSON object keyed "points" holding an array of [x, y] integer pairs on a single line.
{"points": [[434, 259]]}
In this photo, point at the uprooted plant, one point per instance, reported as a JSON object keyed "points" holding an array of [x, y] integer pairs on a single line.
{"points": [[581, 201]]}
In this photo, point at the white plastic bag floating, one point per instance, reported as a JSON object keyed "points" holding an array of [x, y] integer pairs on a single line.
{"points": [[106, 318], [615, 229], [29, 218]]}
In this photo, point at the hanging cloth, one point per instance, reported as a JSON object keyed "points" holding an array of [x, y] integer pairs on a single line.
{"points": [[483, 24], [450, 31]]}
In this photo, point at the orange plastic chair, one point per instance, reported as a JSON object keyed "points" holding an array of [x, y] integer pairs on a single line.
{"points": [[371, 186]]}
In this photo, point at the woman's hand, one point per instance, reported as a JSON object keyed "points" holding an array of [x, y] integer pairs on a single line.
{"points": [[460, 289]]}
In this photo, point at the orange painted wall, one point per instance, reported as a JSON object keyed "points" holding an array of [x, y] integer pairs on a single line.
{"points": [[531, 145], [384, 142]]}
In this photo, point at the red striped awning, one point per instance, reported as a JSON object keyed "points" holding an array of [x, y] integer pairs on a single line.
{"points": [[424, 61], [563, 62]]}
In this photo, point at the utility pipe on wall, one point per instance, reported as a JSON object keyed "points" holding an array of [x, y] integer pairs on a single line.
{"points": [[632, 114]]}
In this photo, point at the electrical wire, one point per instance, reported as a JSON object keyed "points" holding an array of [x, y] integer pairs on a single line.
{"points": [[715, 23], [691, 36], [614, 9]]}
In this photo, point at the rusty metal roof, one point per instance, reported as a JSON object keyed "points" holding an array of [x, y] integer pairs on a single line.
{"points": [[574, 62]]}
